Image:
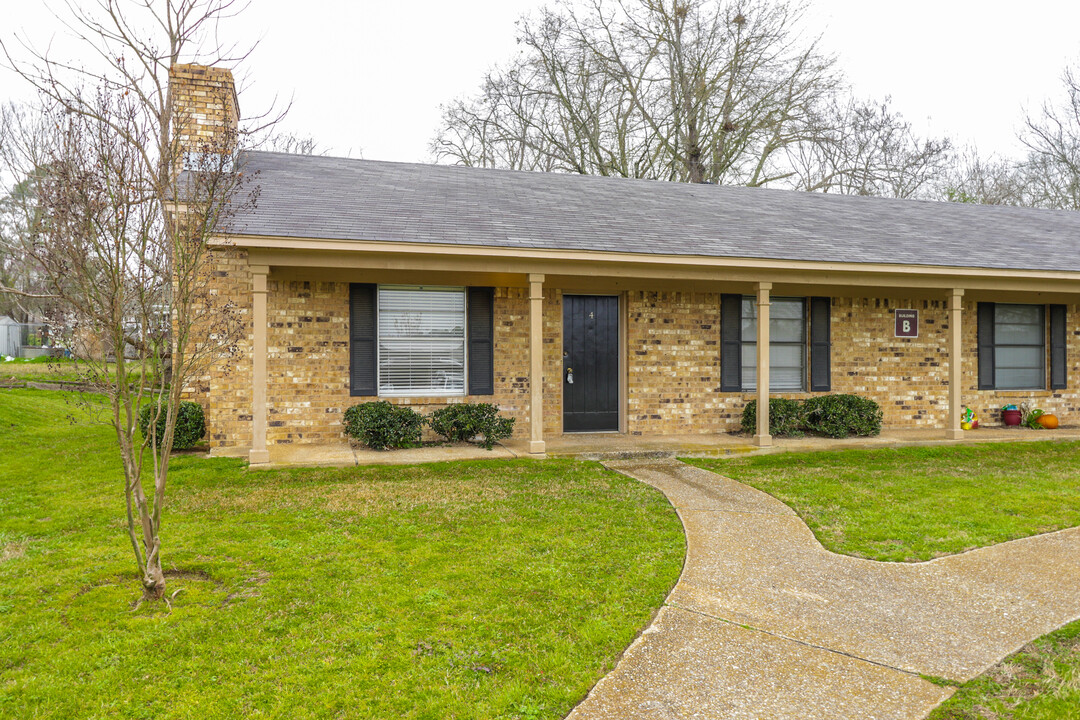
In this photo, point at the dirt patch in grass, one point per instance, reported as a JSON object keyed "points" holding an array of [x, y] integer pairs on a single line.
{"points": [[13, 549]]}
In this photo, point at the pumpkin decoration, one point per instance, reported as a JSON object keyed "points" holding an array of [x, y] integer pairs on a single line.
{"points": [[1050, 422]]}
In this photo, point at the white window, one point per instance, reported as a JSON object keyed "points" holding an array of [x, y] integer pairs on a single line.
{"points": [[421, 340], [1019, 347], [787, 344]]}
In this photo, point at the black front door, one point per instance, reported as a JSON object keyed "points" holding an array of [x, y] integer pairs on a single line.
{"points": [[590, 363]]}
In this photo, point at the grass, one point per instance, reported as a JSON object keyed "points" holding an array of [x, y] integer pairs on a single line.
{"points": [[493, 589], [50, 370], [1041, 682], [913, 504]]}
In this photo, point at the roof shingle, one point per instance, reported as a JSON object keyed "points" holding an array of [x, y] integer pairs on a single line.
{"points": [[346, 199]]}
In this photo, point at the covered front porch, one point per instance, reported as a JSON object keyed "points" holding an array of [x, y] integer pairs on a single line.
{"points": [[670, 351]]}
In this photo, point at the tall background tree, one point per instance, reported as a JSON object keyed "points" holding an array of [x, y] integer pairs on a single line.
{"points": [[118, 234], [720, 91]]}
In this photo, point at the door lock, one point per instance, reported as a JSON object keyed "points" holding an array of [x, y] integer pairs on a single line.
{"points": [[569, 376]]}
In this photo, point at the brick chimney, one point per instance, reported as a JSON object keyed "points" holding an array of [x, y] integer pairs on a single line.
{"points": [[206, 111]]}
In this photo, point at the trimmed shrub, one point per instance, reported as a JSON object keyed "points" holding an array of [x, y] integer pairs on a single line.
{"points": [[190, 424], [462, 422], [839, 416], [785, 417], [380, 425]]}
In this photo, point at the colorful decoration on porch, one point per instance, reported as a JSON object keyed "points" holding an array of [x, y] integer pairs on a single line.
{"points": [[1048, 421], [1011, 415], [969, 420]]}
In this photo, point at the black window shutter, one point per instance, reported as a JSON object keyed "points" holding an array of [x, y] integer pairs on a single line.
{"points": [[820, 344], [986, 345], [362, 339], [730, 343], [1059, 368], [481, 341]]}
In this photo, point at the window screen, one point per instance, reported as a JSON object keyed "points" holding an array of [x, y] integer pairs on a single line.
{"points": [[421, 340], [787, 344], [1019, 347]]}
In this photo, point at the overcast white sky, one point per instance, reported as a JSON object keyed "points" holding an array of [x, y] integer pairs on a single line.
{"points": [[367, 76]]}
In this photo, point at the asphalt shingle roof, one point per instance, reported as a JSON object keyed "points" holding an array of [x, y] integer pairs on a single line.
{"points": [[346, 199]]}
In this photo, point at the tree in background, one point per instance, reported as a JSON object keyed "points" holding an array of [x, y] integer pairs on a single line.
{"points": [[119, 235], [22, 293], [720, 91], [1051, 170]]}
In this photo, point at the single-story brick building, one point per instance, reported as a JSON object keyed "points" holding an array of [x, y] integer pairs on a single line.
{"points": [[592, 304]]}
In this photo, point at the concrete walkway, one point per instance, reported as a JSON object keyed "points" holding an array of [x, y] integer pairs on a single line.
{"points": [[766, 623]]}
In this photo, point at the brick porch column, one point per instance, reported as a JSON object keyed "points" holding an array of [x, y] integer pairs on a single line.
{"points": [[258, 453], [956, 366], [763, 438], [536, 364]]}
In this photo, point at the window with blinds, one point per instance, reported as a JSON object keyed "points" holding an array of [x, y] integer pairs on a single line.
{"points": [[421, 340], [1020, 347], [787, 344]]}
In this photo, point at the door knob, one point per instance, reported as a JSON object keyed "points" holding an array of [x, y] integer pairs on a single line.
{"points": [[569, 376]]}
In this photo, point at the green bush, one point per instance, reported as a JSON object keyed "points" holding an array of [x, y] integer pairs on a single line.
{"points": [[839, 416], [190, 424], [462, 422], [785, 417], [835, 416], [380, 425]]}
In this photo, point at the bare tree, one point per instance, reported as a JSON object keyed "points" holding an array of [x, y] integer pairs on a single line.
{"points": [[687, 90], [122, 237], [21, 293], [866, 148], [1052, 168], [293, 144], [986, 180], [721, 91]]}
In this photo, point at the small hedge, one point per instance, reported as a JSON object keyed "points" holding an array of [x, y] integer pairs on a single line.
{"points": [[380, 425], [839, 416], [785, 417], [462, 422], [835, 416], [190, 424]]}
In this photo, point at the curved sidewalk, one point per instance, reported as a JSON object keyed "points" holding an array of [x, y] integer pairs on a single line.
{"points": [[766, 623]]}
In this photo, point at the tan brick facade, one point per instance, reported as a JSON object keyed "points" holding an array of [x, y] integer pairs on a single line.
{"points": [[207, 110], [673, 362]]}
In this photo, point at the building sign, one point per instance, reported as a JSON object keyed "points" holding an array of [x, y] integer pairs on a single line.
{"points": [[907, 323]]}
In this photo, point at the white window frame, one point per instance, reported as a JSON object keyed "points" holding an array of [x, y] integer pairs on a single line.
{"points": [[426, 392], [804, 346]]}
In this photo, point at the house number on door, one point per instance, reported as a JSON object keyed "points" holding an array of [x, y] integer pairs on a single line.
{"points": [[592, 316]]}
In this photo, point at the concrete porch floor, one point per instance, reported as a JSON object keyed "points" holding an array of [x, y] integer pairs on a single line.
{"points": [[616, 446], [611, 446]]}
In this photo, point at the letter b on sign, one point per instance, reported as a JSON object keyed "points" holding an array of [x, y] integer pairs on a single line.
{"points": [[907, 323]]}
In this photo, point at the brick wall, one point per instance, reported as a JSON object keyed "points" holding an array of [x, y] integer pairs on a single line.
{"points": [[673, 363], [987, 403], [206, 108], [908, 377], [224, 387], [308, 364]]}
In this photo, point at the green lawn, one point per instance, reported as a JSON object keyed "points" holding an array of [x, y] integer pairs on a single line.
{"points": [[911, 504], [1041, 682], [493, 589], [920, 503], [51, 370]]}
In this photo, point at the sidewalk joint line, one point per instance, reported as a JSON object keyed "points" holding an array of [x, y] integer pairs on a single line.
{"points": [[794, 640]]}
